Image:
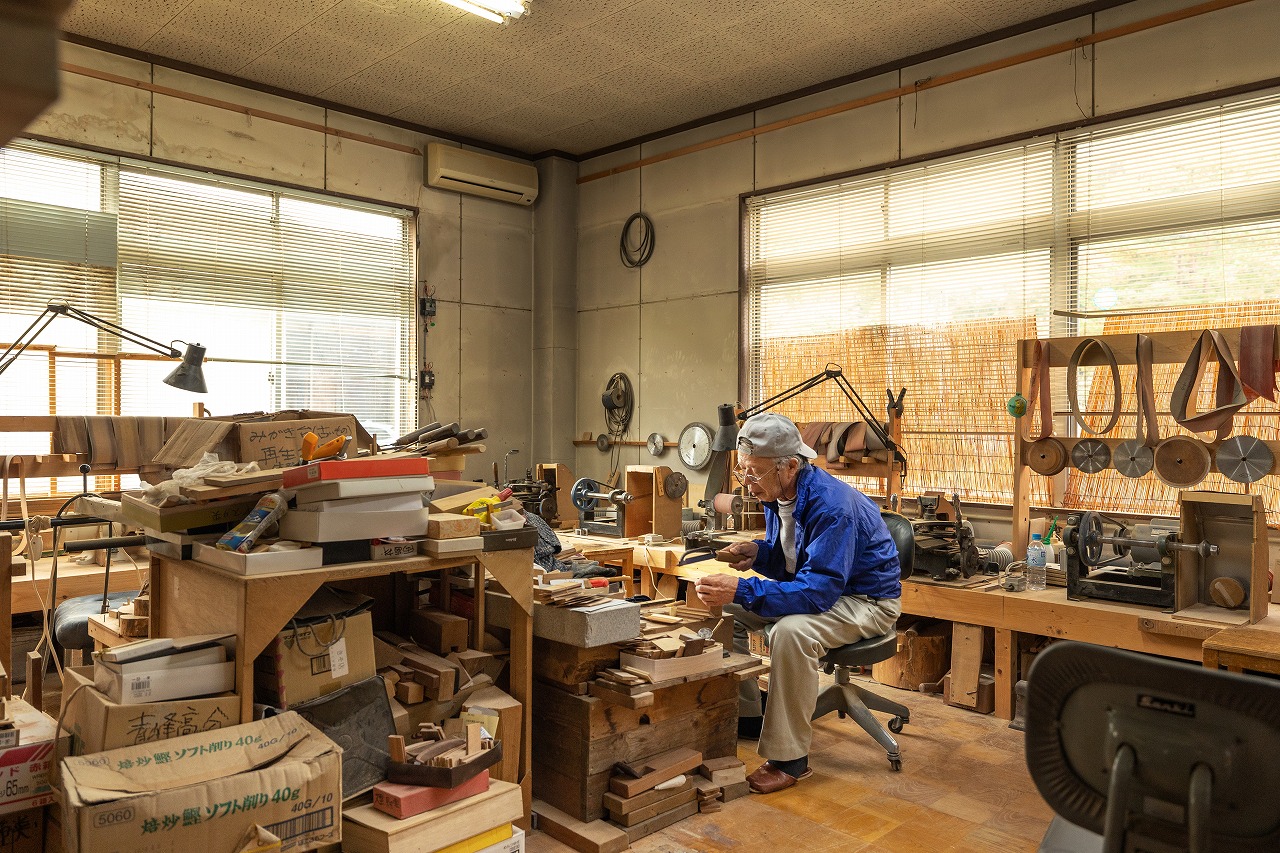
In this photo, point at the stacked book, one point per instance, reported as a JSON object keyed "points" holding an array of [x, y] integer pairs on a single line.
{"points": [[343, 505]]}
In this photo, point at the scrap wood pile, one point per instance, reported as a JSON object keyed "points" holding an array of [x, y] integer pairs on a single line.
{"points": [[648, 795], [558, 590], [433, 748]]}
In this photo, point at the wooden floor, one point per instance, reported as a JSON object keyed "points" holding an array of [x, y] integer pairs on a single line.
{"points": [[963, 788]]}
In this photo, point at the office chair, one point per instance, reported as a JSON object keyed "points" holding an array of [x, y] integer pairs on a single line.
{"points": [[848, 699], [1141, 753]]}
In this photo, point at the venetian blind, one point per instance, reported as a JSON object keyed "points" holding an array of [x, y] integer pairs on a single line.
{"points": [[1168, 222], [922, 277], [302, 300]]}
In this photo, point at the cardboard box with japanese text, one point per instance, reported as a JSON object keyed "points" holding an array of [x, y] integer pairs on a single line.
{"points": [[270, 439], [96, 724], [309, 661], [204, 791], [25, 769]]}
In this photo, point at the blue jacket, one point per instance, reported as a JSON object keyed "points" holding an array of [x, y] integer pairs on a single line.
{"points": [[842, 548]]}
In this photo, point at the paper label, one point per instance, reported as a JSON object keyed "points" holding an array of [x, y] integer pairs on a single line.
{"points": [[338, 658]]}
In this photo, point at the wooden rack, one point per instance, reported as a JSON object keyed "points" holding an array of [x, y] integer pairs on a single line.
{"points": [[1167, 347], [879, 464]]}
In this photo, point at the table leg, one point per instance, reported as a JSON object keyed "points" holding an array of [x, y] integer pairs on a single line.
{"points": [[1210, 658], [1006, 672]]}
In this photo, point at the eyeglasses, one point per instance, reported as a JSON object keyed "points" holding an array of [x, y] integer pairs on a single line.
{"points": [[747, 479]]}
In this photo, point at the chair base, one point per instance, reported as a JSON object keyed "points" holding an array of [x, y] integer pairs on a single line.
{"points": [[849, 699]]}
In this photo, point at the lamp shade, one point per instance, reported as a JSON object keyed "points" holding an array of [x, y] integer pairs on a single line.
{"points": [[189, 376], [727, 430]]}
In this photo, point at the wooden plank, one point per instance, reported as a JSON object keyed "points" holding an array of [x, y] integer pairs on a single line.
{"points": [[225, 480], [6, 608], [1006, 666], [626, 805], [966, 663], [210, 493], [617, 697], [662, 821], [666, 766], [667, 803], [594, 837]]}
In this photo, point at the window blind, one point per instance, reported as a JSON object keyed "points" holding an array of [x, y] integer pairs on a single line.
{"points": [[924, 276], [302, 301]]}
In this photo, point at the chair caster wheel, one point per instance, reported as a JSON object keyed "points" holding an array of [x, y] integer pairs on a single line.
{"points": [[896, 764], [895, 724]]}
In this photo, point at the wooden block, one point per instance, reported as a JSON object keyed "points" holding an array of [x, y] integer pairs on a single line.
{"points": [[368, 828], [510, 729], [473, 662], [662, 767], [449, 525], [473, 738], [662, 821], [625, 805], [666, 804], [438, 631], [729, 776], [409, 692], [395, 746], [711, 765], [736, 790], [594, 837], [709, 806], [462, 500], [614, 697]]}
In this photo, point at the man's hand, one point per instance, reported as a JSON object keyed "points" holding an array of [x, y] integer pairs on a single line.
{"points": [[716, 590], [746, 552]]}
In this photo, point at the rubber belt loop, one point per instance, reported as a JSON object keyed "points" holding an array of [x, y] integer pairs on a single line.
{"points": [[1073, 366]]}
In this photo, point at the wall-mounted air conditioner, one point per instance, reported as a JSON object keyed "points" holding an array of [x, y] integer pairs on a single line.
{"points": [[451, 168]]}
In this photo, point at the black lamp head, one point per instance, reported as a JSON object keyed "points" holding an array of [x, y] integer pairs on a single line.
{"points": [[726, 437], [189, 376]]}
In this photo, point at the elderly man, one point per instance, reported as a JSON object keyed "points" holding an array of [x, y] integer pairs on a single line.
{"points": [[831, 577]]}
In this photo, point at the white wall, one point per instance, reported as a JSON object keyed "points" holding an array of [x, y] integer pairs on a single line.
{"points": [[477, 254], [673, 324]]}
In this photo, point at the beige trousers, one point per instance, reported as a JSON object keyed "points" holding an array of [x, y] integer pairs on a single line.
{"points": [[796, 642]]}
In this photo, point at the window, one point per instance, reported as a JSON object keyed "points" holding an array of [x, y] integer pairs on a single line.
{"points": [[924, 276], [302, 301]]}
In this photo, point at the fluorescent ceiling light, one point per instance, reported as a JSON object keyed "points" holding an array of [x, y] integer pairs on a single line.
{"points": [[497, 11]]}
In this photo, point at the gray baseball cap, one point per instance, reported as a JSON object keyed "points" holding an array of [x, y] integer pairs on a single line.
{"points": [[771, 436]]}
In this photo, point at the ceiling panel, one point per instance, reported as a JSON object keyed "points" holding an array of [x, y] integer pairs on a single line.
{"points": [[574, 75]]}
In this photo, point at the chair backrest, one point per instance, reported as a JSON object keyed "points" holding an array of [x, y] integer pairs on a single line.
{"points": [[1149, 752], [904, 537]]}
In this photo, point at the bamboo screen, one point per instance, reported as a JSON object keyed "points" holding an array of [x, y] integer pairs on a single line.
{"points": [[1109, 490], [957, 436]]}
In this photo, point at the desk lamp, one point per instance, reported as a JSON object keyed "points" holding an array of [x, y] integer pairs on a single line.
{"points": [[188, 376]]}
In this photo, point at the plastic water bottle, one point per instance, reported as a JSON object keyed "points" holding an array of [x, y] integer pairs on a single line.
{"points": [[1037, 558]]}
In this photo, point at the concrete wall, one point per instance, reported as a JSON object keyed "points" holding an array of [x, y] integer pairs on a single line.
{"points": [[477, 254], [673, 324]]}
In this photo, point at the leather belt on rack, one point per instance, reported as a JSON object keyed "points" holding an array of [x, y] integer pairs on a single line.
{"points": [[1229, 396], [1039, 394], [1136, 457], [1258, 362], [835, 446], [1073, 367], [10, 463]]}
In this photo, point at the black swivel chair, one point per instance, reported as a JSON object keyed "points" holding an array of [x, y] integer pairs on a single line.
{"points": [[848, 699], [1140, 753]]}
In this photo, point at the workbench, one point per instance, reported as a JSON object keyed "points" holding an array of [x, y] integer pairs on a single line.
{"points": [[1046, 613], [190, 598]]}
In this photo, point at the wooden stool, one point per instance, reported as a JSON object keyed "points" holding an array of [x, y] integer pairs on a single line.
{"points": [[1255, 648]]}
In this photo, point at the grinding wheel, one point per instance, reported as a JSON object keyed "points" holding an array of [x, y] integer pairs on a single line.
{"points": [[1047, 456], [675, 484], [1227, 592], [1091, 455], [1134, 459], [1182, 462], [1245, 459]]}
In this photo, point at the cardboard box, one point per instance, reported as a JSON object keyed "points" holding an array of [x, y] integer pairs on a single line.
{"points": [[363, 487], [96, 724], [187, 516], [393, 550], [356, 469], [179, 675], [349, 526], [300, 664], [206, 791], [265, 562], [26, 767], [23, 832], [271, 440]]}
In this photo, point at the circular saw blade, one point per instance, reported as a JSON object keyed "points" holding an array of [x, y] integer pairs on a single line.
{"points": [[1245, 459], [1134, 459], [1182, 462], [1091, 455]]}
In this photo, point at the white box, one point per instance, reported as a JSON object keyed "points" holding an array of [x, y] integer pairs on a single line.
{"points": [[199, 672], [258, 564], [346, 526], [372, 503], [363, 487]]}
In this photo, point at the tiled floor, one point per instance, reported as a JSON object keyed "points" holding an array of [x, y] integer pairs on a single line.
{"points": [[963, 789]]}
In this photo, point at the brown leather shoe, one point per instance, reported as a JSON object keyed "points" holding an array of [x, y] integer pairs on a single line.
{"points": [[766, 779]]}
